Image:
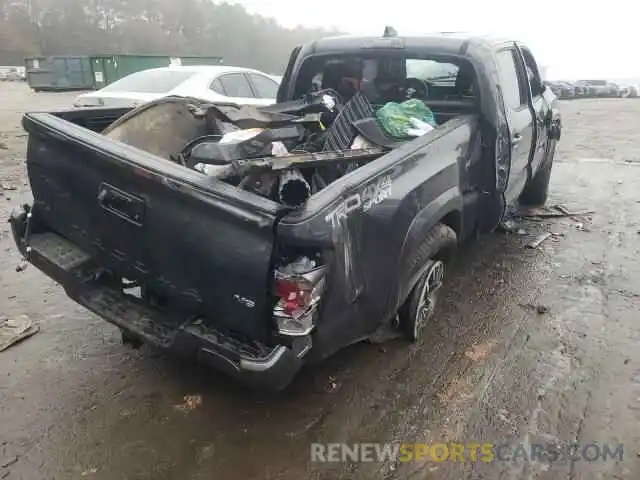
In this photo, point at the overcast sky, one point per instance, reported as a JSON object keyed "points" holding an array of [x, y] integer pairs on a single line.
{"points": [[574, 39]]}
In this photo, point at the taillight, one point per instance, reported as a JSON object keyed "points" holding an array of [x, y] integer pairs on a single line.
{"points": [[299, 292], [295, 295]]}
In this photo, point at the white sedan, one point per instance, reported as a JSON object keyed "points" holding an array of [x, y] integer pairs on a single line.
{"points": [[220, 84]]}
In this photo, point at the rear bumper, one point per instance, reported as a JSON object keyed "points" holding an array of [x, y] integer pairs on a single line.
{"points": [[253, 364]]}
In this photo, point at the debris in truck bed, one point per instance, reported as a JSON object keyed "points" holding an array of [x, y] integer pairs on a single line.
{"points": [[161, 128], [306, 160], [411, 118], [285, 152]]}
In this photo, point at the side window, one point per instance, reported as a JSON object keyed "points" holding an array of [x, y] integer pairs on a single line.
{"points": [[510, 80], [217, 87], [533, 72], [236, 85], [265, 87]]}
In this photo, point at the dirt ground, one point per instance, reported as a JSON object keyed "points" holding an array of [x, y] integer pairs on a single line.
{"points": [[530, 346]]}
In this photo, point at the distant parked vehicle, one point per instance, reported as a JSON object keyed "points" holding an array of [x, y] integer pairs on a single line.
{"points": [[592, 88], [563, 89], [580, 90], [598, 88], [222, 84], [614, 89], [630, 91], [12, 74]]}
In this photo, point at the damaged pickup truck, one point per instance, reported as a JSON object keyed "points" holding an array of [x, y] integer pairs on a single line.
{"points": [[261, 239]]}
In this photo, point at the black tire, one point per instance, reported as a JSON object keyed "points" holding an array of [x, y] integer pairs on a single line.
{"points": [[537, 189], [419, 308]]}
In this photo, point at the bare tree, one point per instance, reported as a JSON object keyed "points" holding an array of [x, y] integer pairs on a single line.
{"points": [[170, 27]]}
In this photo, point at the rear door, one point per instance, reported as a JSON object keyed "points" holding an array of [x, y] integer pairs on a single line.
{"points": [[519, 118], [540, 105]]}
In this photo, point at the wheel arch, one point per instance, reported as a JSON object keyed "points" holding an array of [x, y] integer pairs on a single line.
{"points": [[416, 247]]}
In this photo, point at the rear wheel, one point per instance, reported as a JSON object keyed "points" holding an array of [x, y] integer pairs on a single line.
{"points": [[423, 301], [420, 306]]}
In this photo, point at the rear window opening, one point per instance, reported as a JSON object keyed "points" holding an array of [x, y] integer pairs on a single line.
{"points": [[386, 78]]}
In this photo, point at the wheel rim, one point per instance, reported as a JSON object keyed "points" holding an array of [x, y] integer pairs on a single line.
{"points": [[427, 303]]}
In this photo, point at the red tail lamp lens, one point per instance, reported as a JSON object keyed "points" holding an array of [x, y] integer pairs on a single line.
{"points": [[295, 294]]}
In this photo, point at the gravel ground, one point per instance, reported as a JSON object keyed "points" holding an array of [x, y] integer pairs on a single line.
{"points": [[530, 346]]}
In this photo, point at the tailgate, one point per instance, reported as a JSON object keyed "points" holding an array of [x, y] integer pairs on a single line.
{"points": [[203, 243]]}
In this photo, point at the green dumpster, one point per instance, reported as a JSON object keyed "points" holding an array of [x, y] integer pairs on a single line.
{"points": [[59, 73]]}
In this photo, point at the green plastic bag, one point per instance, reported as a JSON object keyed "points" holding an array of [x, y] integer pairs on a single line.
{"points": [[394, 117]]}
